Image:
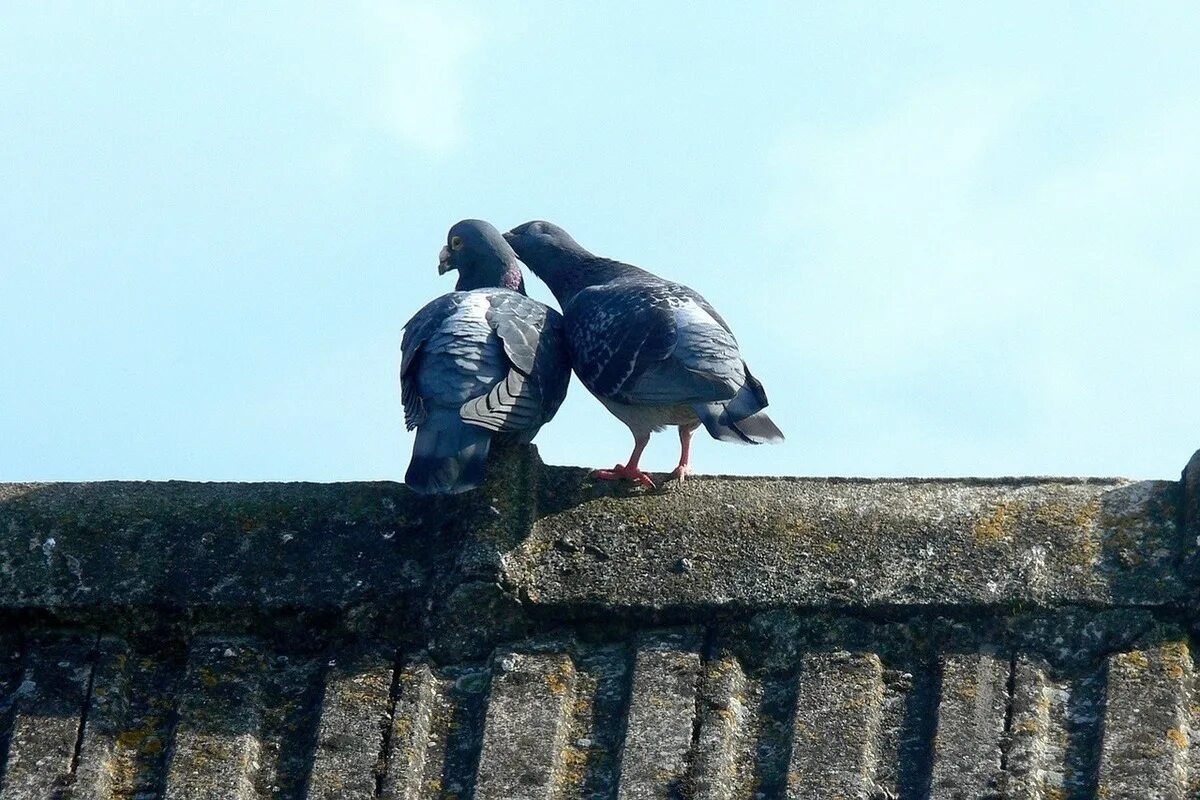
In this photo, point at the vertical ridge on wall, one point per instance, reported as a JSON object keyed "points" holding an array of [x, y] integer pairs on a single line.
{"points": [[1036, 744], [47, 712], [407, 760], [1147, 717], [217, 746], [837, 723], [971, 722], [728, 726], [662, 707], [98, 768], [526, 726], [355, 708]]}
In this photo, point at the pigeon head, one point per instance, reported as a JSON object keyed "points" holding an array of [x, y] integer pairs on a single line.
{"points": [[482, 257], [560, 261], [539, 240]]}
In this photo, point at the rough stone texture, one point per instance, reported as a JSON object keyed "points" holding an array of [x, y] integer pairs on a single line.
{"points": [[525, 734], [839, 759], [662, 709], [971, 720], [728, 639], [355, 714]]}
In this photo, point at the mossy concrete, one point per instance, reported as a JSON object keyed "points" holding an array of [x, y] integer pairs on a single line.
{"points": [[551, 637]]}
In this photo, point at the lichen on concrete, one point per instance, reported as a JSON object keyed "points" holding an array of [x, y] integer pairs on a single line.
{"points": [[551, 637]]}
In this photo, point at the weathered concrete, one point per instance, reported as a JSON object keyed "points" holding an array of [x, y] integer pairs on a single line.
{"points": [[971, 719], [524, 737], [840, 759], [662, 709], [545, 637], [355, 715]]}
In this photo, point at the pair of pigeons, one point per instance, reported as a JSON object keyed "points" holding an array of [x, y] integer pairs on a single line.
{"points": [[487, 361]]}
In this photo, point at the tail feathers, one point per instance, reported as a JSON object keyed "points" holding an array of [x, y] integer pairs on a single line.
{"points": [[754, 429], [741, 419], [449, 456]]}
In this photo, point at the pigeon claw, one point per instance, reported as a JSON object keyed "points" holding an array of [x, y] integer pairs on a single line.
{"points": [[680, 473], [623, 473]]}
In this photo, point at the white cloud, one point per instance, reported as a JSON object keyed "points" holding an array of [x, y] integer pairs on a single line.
{"points": [[422, 50]]}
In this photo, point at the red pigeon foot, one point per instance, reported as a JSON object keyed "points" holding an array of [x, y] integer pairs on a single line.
{"points": [[623, 473], [681, 472]]}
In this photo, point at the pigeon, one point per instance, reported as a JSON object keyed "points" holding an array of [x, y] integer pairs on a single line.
{"points": [[654, 352], [480, 362]]}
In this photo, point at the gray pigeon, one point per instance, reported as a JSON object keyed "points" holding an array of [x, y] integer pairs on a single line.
{"points": [[482, 361], [654, 352]]}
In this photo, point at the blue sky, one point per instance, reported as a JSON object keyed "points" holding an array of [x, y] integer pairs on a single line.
{"points": [[952, 240]]}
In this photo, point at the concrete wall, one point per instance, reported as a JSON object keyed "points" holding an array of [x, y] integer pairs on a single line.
{"points": [[547, 638]]}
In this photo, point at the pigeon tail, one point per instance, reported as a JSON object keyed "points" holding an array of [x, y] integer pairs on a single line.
{"points": [[755, 429], [741, 418], [449, 456]]}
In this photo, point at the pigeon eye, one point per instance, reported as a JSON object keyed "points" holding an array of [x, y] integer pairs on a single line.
{"points": [[455, 242]]}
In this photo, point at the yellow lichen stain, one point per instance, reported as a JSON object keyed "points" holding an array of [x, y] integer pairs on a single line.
{"points": [[1055, 793], [573, 770], [1175, 659], [798, 527], [1178, 738], [1028, 726], [1068, 516], [967, 691], [996, 526], [402, 727], [1134, 660], [559, 679], [208, 677], [1085, 552]]}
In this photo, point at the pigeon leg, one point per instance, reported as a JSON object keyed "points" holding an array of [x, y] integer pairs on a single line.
{"points": [[629, 471], [685, 453]]}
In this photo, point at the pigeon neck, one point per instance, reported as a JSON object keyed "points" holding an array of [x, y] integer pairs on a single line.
{"points": [[513, 279], [509, 278], [567, 274]]}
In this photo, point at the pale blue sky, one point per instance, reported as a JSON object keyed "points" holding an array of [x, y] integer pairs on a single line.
{"points": [[952, 238]]}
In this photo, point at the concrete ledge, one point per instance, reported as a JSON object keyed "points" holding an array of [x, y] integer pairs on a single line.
{"points": [[559, 542], [730, 639]]}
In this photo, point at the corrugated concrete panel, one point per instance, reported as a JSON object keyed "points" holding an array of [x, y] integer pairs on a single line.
{"points": [[217, 741], [662, 713], [730, 639], [1146, 724], [836, 727], [355, 715]]}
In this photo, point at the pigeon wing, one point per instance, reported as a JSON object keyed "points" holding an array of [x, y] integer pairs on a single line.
{"points": [[417, 333], [650, 343], [535, 383]]}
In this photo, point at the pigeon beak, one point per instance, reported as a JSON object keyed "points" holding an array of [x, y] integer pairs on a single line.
{"points": [[444, 264]]}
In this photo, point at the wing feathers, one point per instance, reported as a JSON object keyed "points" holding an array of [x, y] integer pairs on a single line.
{"points": [[513, 404]]}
